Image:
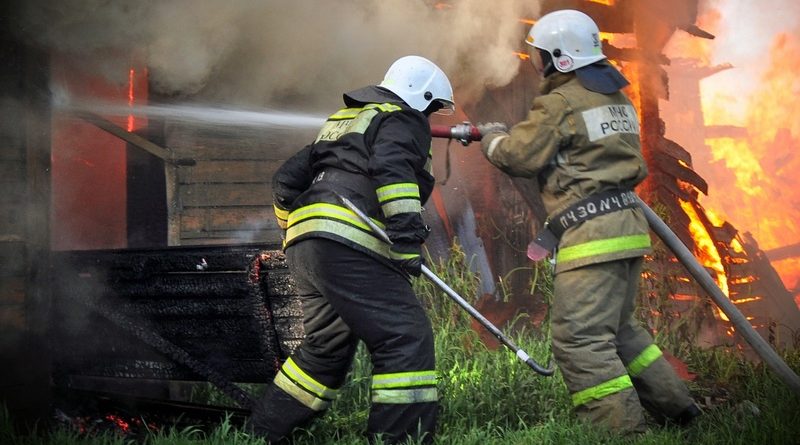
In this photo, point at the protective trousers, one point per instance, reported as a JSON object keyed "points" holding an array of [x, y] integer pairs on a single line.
{"points": [[608, 360], [348, 296]]}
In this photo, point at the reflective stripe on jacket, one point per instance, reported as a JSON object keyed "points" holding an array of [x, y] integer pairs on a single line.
{"points": [[375, 154], [578, 143]]}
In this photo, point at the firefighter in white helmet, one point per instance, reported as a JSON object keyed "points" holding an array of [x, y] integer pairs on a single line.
{"points": [[581, 141], [375, 152]]}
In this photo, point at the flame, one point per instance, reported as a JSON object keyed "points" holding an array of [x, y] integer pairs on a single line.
{"points": [[705, 250], [756, 171], [749, 172], [131, 97], [119, 422]]}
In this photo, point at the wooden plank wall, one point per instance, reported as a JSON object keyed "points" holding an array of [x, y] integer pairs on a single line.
{"points": [[226, 198]]}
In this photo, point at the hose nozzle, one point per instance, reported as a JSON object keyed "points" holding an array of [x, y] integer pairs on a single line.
{"points": [[464, 132]]}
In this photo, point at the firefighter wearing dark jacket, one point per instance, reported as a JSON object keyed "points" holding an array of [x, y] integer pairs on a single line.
{"points": [[375, 152], [581, 140]]}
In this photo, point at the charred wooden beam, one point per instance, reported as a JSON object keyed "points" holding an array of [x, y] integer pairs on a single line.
{"points": [[133, 138]]}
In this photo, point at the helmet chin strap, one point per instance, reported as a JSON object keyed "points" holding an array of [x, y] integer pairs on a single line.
{"points": [[547, 62]]}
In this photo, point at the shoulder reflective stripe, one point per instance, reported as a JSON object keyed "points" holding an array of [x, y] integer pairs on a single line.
{"points": [[644, 360], [340, 229], [404, 379], [345, 113], [325, 210], [603, 246], [397, 191], [281, 215], [386, 107], [299, 394], [300, 377], [351, 120], [405, 396], [401, 206], [602, 390], [333, 129]]}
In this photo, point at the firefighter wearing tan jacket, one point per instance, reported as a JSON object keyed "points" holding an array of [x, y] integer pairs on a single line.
{"points": [[581, 140]]}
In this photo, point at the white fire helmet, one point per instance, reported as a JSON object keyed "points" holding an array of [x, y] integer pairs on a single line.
{"points": [[571, 37], [418, 81]]}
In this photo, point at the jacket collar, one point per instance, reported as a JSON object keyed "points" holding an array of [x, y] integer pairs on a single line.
{"points": [[554, 81]]}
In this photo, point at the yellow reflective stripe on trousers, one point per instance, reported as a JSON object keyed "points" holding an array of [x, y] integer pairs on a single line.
{"points": [[300, 394], [401, 206], [602, 247], [300, 377], [404, 379], [405, 387], [644, 360], [404, 396], [281, 215], [604, 389], [304, 388], [397, 191]]}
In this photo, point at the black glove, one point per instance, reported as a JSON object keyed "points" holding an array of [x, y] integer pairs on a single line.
{"points": [[408, 258]]}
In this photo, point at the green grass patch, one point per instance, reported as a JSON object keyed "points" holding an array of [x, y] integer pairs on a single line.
{"points": [[490, 397]]}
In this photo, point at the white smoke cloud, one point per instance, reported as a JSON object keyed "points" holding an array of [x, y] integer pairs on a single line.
{"points": [[279, 51]]}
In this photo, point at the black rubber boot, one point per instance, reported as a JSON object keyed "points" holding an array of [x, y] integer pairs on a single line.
{"points": [[687, 415], [276, 414]]}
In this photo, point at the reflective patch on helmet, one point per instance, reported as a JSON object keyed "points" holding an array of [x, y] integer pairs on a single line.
{"points": [[564, 63], [608, 120]]}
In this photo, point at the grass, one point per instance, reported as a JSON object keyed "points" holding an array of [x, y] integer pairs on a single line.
{"points": [[489, 397]]}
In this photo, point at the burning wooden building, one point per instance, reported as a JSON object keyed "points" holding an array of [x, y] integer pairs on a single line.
{"points": [[139, 246]]}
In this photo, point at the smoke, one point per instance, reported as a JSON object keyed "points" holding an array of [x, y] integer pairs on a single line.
{"points": [[259, 52]]}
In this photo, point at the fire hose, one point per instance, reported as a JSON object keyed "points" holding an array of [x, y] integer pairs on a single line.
{"points": [[521, 354], [463, 132], [743, 327]]}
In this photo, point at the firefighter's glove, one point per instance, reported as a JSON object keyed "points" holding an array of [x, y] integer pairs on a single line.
{"points": [[491, 131], [408, 258], [492, 127]]}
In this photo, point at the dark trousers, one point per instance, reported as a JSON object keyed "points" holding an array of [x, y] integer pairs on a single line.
{"points": [[349, 296]]}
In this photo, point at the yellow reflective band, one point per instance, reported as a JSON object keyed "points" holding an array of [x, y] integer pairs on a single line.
{"points": [[401, 206], [299, 394], [350, 113], [340, 229], [345, 113], [351, 120], [402, 256], [324, 210], [281, 215], [404, 379], [306, 381], [404, 396], [602, 390], [603, 246], [396, 191], [644, 360], [387, 107]]}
